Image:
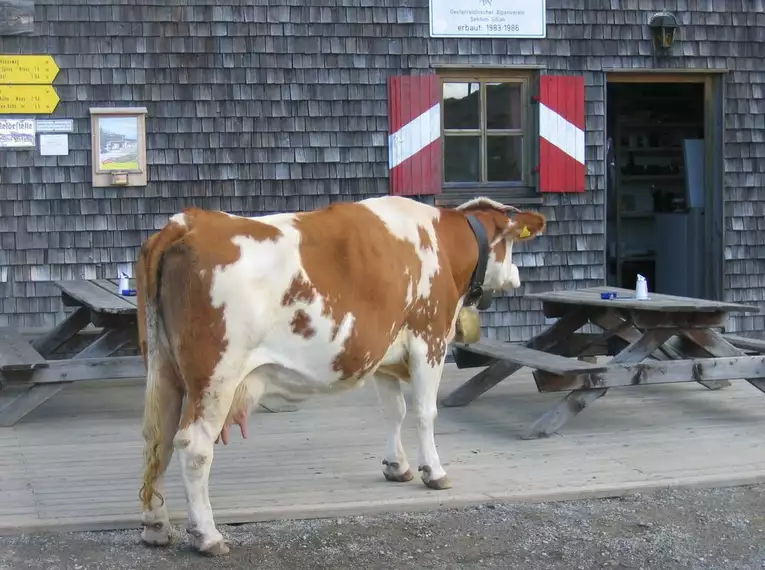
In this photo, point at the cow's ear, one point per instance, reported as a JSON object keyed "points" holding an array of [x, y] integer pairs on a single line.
{"points": [[526, 225]]}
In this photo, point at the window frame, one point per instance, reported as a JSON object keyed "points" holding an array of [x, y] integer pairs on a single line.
{"points": [[526, 190]]}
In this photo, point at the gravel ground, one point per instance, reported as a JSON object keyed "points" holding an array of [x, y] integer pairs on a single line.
{"points": [[687, 529]]}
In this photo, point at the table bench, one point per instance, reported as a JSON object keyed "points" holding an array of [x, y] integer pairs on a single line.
{"points": [[663, 339], [98, 303]]}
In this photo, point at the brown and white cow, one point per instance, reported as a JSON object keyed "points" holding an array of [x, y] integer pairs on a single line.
{"points": [[232, 308]]}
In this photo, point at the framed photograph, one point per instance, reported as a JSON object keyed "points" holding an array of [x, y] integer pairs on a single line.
{"points": [[119, 146]]}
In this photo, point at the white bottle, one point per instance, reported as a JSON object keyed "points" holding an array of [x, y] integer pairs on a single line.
{"points": [[641, 288], [124, 286]]}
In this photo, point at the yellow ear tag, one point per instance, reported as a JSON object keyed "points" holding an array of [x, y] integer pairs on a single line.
{"points": [[525, 232]]}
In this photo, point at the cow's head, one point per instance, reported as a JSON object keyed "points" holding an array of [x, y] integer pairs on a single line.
{"points": [[504, 226]]}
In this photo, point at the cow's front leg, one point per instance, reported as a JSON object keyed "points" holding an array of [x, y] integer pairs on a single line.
{"points": [[396, 465], [426, 376], [194, 443]]}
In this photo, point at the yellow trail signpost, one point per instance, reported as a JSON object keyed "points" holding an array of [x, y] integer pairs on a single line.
{"points": [[25, 85], [27, 99], [27, 70]]}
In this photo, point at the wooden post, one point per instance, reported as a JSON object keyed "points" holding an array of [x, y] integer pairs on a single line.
{"points": [[576, 401], [494, 374]]}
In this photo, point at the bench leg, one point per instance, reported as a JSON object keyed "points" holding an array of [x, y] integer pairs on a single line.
{"points": [[64, 331], [27, 401], [106, 344], [577, 400], [480, 383], [494, 374], [37, 394], [714, 344]]}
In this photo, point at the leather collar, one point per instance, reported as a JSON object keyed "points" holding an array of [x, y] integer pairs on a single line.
{"points": [[476, 295]]}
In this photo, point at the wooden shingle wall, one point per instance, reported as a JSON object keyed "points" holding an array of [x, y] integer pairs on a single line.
{"points": [[261, 106]]}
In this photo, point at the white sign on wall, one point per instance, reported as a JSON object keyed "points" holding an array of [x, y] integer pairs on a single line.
{"points": [[488, 18], [54, 145], [17, 133], [55, 125]]}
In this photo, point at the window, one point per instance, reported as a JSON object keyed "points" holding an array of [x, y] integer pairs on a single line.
{"points": [[488, 134]]}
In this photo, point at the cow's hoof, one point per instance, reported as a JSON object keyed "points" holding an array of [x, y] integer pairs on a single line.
{"points": [[394, 473], [156, 533], [399, 477], [210, 547], [216, 549], [437, 484]]}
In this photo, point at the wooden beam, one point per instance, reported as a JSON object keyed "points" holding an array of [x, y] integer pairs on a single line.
{"points": [[578, 400], [554, 336], [63, 332], [656, 320], [681, 348], [745, 343], [658, 75], [106, 344], [27, 401], [714, 344], [581, 344], [16, 354], [79, 369], [670, 372], [530, 357]]}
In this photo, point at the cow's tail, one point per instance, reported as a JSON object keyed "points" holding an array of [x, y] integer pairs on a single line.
{"points": [[157, 358]]}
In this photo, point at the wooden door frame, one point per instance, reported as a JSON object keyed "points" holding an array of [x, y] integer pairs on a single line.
{"points": [[714, 155]]}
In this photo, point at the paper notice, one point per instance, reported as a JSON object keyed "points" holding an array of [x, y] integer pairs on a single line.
{"points": [[54, 145]]}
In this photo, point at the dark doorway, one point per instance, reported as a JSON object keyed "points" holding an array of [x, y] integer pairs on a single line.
{"points": [[656, 187]]}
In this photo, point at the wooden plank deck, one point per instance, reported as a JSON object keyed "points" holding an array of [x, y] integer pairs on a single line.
{"points": [[75, 462]]}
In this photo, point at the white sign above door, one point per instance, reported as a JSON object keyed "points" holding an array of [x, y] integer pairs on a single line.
{"points": [[488, 18]]}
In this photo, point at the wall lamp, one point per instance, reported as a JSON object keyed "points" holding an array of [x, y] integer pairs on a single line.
{"points": [[663, 26]]}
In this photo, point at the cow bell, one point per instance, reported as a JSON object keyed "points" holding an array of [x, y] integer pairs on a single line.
{"points": [[468, 326]]}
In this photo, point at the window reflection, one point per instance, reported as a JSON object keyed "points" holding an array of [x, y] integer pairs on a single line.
{"points": [[462, 159], [503, 106], [462, 108], [504, 157]]}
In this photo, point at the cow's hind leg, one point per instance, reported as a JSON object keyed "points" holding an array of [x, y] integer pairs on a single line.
{"points": [[162, 412], [396, 465], [205, 415], [426, 376]]}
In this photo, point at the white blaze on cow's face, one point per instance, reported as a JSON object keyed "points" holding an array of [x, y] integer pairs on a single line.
{"points": [[521, 226], [502, 275]]}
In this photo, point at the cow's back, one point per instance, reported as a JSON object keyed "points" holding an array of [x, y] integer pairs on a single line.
{"points": [[324, 294]]}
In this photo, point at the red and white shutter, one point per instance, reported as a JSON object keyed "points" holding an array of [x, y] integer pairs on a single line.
{"points": [[561, 134], [414, 134]]}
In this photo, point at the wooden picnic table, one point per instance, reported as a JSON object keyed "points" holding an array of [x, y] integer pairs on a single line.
{"points": [[662, 339], [98, 303]]}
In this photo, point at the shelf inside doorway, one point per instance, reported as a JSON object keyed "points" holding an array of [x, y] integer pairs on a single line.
{"points": [[651, 177], [638, 215], [651, 149]]}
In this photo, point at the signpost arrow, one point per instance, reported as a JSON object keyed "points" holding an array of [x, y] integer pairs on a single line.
{"points": [[27, 69], [27, 99]]}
